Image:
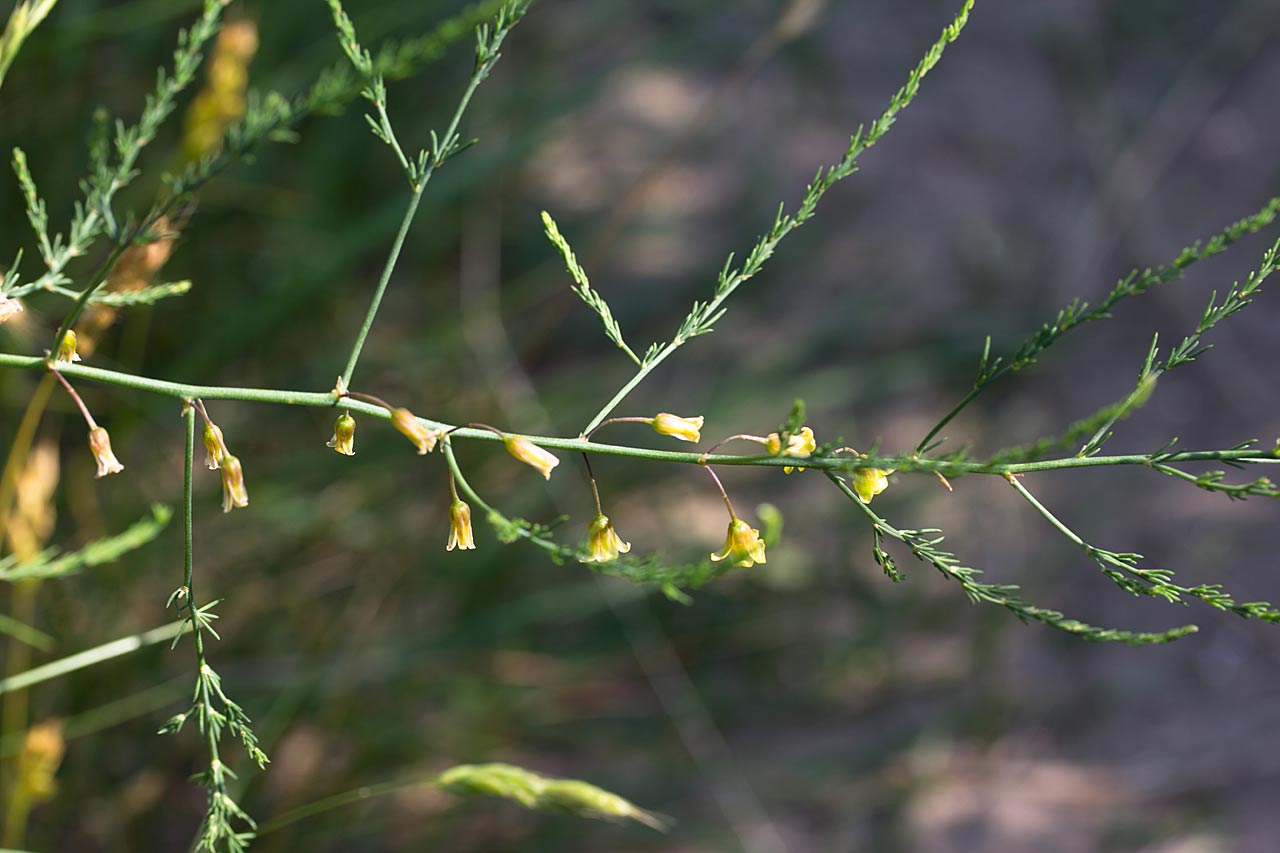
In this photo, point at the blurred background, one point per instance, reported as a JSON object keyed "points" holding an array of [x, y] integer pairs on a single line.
{"points": [[806, 704]]}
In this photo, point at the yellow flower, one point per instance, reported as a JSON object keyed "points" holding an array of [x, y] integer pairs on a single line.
{"points": [[413, 429], [685, 429], [603, 542], [100, 444], [344, 435], [67, 349], [234, 493], [460, 534], [869, 482], [212, 438], [37, 763], [800, 444], [531, 454], [743, 546]]}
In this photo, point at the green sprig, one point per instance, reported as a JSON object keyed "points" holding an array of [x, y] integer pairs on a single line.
{"points": [[925, 546], [582, 287], [703, 316], [1078, 313]]}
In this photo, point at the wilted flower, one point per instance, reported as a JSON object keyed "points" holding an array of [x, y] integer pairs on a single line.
{"points": [[212, 438], [603, 542], [9, 307], [530, 454], [100, 444], [460, 534], [743, 546], [234, 493], [344, 435], [413, 429], [685, 429], [869, 482], [67, 349]]}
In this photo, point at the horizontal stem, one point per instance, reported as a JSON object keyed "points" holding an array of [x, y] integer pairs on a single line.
{"points": [[903, 464]]}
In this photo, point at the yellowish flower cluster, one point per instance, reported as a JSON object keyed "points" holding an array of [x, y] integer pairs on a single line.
{"points": [[222, 99]]}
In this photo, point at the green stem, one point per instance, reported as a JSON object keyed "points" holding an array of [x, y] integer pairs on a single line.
{"points": [[641, 374], [93, 656], [452, 462], [364, 792], [437, 160], [949, 416], [82, 301], [903, 464], [383, 281]]}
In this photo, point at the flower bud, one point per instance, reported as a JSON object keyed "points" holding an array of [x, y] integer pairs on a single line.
{"points": [[9, 307], [212, 438], [531, 454], [67, 349], [460, 533], [413, 429], [685, 429], [743, 546], [234, 493], [344, 435], [603, 542], [100, 444]]}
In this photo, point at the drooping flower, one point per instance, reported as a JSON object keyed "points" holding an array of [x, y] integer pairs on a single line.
{"points": [[743, 546], [344, 435], [869, 482], [801, 444], [9, 307], [212, 438], [531, 454], [603, 542], [234, 493], [413, 429], [100, 444], [67, 349], [685, 429], [460, 533]]}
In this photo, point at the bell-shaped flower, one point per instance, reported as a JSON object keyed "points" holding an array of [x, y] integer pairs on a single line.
{"points": [[67, 349], [413, 429], [869, 482], [212, 438], [100, 444], [460, 533], [603, 542], [743, 547], [344, 435], [531, 454], [685, 429], [234, 493]]}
